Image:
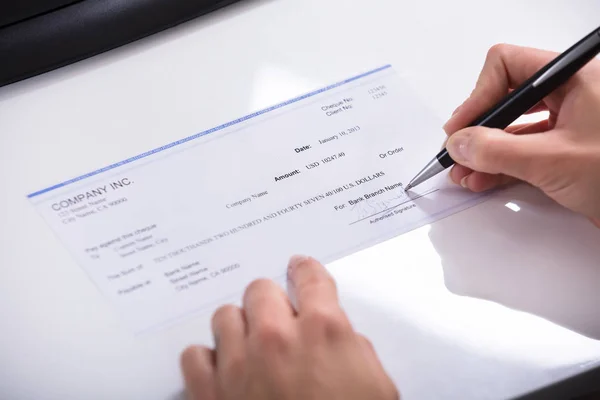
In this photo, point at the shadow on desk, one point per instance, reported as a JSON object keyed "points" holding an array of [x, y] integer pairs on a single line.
{"points": [[525, 252]]}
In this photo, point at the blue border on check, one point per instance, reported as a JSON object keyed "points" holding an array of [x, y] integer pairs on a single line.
{"points": [[204, 133]]}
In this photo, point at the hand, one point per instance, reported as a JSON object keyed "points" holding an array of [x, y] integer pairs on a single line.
{"points": [[560, 155], [267, 351]]}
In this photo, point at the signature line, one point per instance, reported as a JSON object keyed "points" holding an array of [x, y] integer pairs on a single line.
{"points": [[396, 206]]}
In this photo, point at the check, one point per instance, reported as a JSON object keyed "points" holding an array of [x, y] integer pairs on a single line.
{"points": [[185, 227]]}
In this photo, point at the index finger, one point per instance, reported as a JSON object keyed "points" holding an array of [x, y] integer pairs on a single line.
{"points": [[506, 67], [313, 287]]}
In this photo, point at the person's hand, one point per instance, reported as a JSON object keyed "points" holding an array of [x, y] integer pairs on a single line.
{"points": [[560, 155], [268, 351]]}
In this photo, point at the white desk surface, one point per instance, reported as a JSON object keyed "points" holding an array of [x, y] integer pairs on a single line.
{"points": [[488, 304]]}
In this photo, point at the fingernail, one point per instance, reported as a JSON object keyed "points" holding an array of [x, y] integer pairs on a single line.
{"points": [[294, 262], [457, 110], [458, 147], [464, 183], [444, 127]]}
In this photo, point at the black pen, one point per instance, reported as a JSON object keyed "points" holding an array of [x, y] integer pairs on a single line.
{"points": [[522, 99]]}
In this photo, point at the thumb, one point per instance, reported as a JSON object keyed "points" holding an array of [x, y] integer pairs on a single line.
{"points": [[494, 151]]}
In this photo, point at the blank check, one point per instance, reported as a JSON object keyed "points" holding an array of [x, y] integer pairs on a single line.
{"points": [[185, 227]]}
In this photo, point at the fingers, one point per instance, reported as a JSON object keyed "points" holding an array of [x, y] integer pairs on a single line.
{"points": [[506, 67], [198, 367], [366, 345], [458, 172], [313, 286], [229, 330], [319, 313], [529, 128], [387, 390], [477, 181], [494, 151], [265, 302], [539, 107], [481, 182]]}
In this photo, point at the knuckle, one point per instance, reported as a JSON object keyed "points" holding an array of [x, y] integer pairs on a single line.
{"points": [[234, 365], [367, 343], [272, 337], [497, 51], [327, 323]]}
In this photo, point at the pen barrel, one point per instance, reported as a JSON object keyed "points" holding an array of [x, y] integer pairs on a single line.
{"points": [[536, 88], [543, 83]]}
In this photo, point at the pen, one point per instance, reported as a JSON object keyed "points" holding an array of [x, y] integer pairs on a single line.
{"points": [[522, 99]]}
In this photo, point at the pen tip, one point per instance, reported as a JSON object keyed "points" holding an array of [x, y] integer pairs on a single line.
{"points": [[408, 187]]}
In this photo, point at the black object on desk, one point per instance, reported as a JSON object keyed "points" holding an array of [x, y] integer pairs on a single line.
{"points": [[38, 36], [583, 386]]}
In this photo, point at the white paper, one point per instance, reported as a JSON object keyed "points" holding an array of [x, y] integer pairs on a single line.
{"points": [[184, 228]]}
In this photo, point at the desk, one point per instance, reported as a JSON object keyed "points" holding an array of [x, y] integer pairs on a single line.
{"points": [[497, 302]]}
